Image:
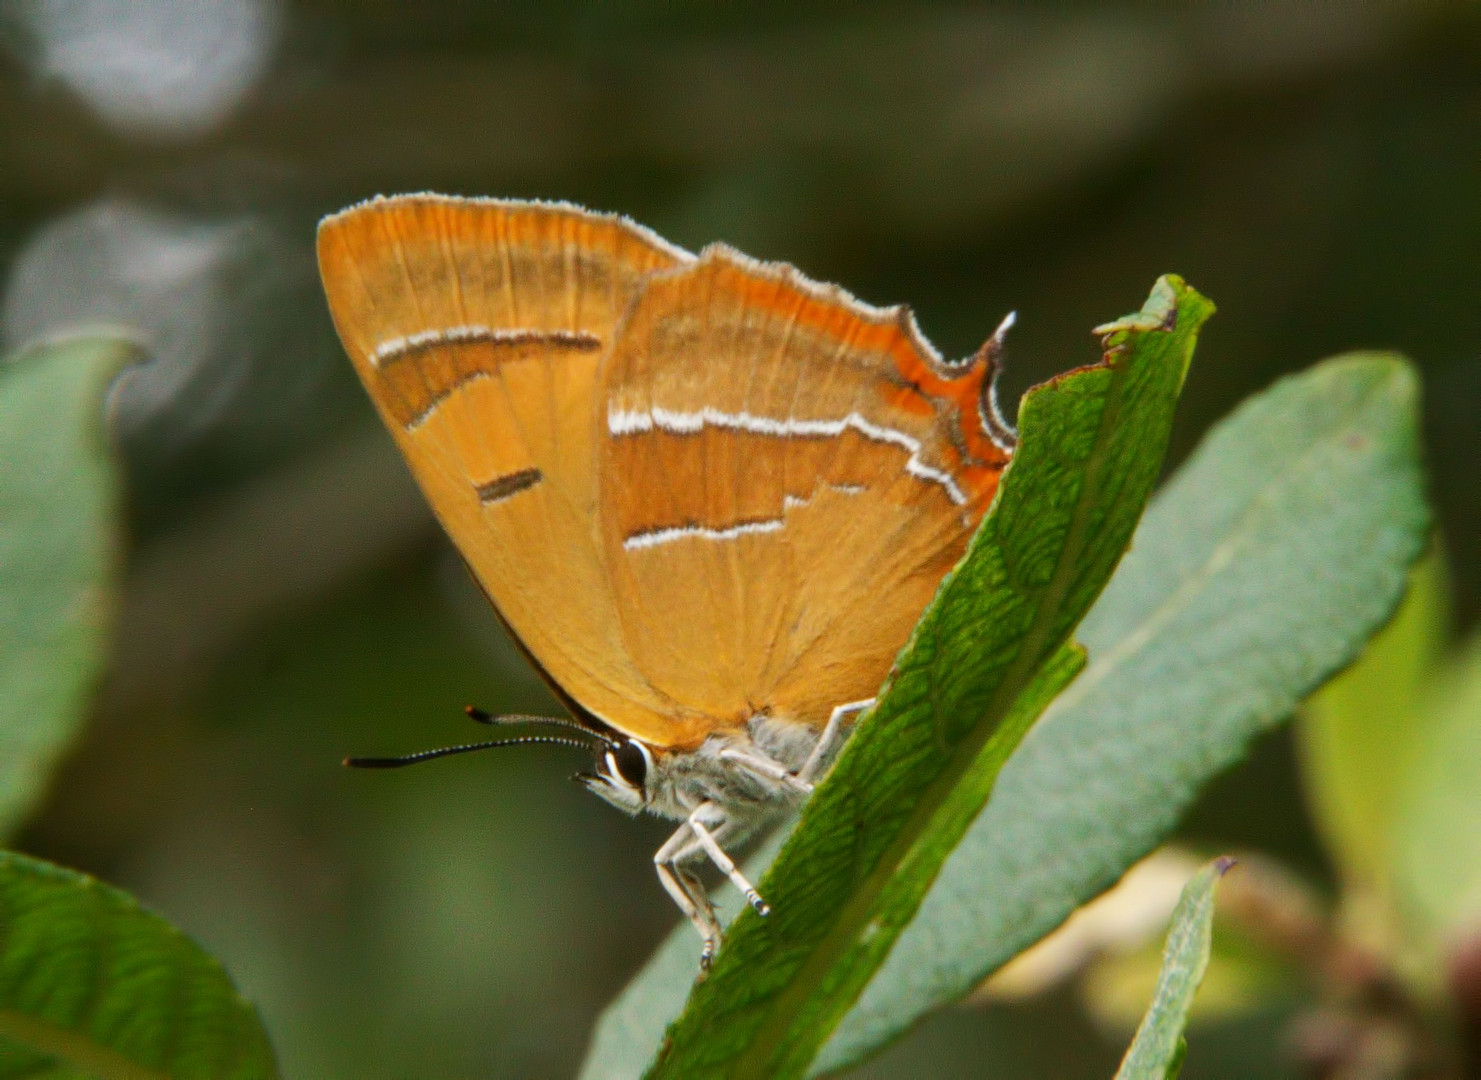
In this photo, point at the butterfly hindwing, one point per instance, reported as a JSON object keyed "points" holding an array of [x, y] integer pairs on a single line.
{"points": [[786, 475]]}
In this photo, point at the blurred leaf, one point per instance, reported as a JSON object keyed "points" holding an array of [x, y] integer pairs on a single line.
{"points": [[986, 657], [1269, 924], [1359, 732], [93, 982], [1116, 989], [1437, 836], [1158, 1049], [18, 1063], [58, 510], [1262, 567]]}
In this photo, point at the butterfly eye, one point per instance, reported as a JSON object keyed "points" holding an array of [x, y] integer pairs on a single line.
{"points": [[631, 762]]}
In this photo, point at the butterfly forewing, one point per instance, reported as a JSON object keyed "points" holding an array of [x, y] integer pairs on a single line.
{"points": [[480, 329]]}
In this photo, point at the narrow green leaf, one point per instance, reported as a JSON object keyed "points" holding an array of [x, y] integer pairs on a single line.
{"points": [[91, 981], [1359, 733], [58, 527], [1260, 569], [1158, 1049], [988, 654]]}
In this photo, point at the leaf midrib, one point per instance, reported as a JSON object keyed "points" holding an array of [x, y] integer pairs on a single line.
{"points": [[756, 1061]]}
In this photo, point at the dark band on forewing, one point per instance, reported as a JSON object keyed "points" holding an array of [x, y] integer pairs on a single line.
{"points": [[417, 373], [503, 487], [396, 348]]}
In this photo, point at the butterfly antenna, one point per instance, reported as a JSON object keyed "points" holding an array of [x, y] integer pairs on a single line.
{"points": [[466, 748], [516, 719]]}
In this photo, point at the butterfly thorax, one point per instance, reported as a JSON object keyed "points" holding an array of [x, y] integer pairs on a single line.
{"points": [[636, 777]]}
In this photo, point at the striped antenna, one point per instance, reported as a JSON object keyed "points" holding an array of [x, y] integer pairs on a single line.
{"points": [[518, 719], [449, 751]]}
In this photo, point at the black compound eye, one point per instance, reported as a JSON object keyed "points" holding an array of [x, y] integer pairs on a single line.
{"points": [[632, 763]]}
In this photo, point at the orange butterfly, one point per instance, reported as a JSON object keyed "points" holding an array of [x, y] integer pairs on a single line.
{"points": [[709, 496]]}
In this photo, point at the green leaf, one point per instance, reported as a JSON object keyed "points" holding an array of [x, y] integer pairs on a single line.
{"points": [[1260, 569], [1158, 1049], [989, 653], [1437, 831], [58, 539], [92, 981], [1359, 733]]}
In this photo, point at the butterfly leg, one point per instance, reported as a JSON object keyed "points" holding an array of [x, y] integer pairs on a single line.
{"points": [[767, 767], [828, 742], [687, 892], [717, 855]]}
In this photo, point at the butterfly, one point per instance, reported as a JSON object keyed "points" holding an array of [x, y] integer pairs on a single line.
{"points": [[707, 495]]}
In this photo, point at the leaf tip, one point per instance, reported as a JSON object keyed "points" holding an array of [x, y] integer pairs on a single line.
{"points": [[1171, 300]]}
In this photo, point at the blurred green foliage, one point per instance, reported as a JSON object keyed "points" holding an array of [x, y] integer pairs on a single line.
{"points": [[1359, 733], [1393, 767], [89, 980], [59, 504], [1436, 825]]}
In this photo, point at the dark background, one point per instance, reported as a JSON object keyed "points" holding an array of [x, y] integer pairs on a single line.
{"points": [[1315, 170]]}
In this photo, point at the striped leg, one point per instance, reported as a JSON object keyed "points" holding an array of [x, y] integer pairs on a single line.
{"points": [[687, 892]]}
